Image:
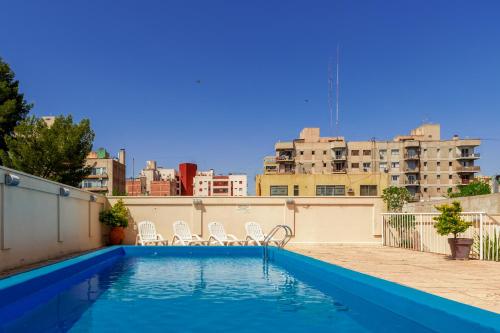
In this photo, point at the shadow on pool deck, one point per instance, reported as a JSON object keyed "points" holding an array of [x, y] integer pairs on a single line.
{"points": [[472, 282]]}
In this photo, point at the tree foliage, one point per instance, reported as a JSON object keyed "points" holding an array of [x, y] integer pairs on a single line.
{"points": [[450, 222], [476, 187], [395, 197], [117, 216], [57, 152], [13, 107]]}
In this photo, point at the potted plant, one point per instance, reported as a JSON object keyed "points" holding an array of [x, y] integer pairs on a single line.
{"points": [[117, 218], [450, 222]]}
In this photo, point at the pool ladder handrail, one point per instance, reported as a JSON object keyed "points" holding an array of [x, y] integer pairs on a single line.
{"points": [[282, 242]]}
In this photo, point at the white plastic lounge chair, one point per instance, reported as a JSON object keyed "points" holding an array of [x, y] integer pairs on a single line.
{"points": [[256, 235], [183, 235], [218, 235], [147, 235]]}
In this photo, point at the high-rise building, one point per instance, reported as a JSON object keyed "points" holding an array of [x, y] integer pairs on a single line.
{"points": [[208, 184], [426, 165], [108, 174]]}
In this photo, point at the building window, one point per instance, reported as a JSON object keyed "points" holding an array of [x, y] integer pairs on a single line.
{"points": [[330, 190], [324, 152], [450, 177], [313, 152], [368, 190], [425, 189], [438, 190], [367, 152], [279, 190], [301, 152], [295, 190], [438, 176], [438, 163], [425, 176], [425, 164], [98, 171], [367, 165], [394, 152], [355, 152], [382, 153], [383, 166], [394, 178], [450, 163], [394, 165], [324, 165], [313, 165], [354, 165]]}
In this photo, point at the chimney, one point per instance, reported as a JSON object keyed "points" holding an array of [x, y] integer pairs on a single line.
{"points": [[121, 156]]}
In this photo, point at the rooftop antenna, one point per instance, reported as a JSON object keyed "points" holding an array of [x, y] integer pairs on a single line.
{"points": [[337, 92], [330, 93]]}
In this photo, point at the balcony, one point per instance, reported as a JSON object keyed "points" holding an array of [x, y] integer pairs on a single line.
{"points": [[468, 143], [471, 156], [285, 158], [339, 157], [412, 156], [412, 182], [97, 176], [412, 170], [466, 169]]}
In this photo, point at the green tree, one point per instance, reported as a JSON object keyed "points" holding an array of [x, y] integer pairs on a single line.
{"points": [[13, 107], [450, 222], [57, 152], [395, 197], [476, 187]]}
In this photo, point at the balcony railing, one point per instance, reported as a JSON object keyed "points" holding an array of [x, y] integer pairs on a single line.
{"points": [[414, 182], [340, 157], [474, 168], [412, 156], [412, 143], [412, 170], [284, 158], [469, 156]]}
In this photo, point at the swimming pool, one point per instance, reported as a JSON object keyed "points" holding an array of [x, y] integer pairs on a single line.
{"points": [[213, 289]]}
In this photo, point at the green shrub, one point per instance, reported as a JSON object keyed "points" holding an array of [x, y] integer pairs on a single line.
{"points": [[450, 222], [117, 216]]}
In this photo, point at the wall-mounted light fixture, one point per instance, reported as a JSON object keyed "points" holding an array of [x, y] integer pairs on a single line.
{"points": [[11, 179], [92, 198], [64, 192], [290, 201]]}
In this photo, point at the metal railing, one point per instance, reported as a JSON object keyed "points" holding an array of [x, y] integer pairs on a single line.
{"points": [[280, 243], [416, 231]]}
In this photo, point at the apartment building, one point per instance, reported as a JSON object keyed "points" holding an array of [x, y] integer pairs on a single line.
{"points": [[108, 174], [154, 181], [208, 184], [426, 165]]}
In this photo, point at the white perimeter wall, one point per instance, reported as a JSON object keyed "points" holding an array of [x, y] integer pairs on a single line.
{"points": [[37, 224]]}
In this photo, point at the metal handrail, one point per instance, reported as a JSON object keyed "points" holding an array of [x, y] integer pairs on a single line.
{"points": [[284, 241]]}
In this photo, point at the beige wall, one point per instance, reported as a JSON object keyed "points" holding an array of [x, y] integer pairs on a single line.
{"points": [[37, 224], [313, 219], [488, 203]]}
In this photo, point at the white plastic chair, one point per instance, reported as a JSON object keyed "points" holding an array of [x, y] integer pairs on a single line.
{"points": [[183, 235], [147, 235], [218, 235], [256, 235]]}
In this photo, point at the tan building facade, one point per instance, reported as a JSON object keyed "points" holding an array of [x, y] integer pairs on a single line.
{"points": [[207, 184], [108, 174], [426, 165]]}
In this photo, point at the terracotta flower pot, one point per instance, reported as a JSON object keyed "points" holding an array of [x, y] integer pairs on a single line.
{"points": [[116, 235], [460, 247]]}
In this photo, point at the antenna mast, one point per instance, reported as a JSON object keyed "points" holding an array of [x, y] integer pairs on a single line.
{"points": [[337, 92], [330, 93]]}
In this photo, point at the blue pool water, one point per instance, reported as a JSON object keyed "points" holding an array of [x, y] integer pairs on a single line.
{"points": [[152, 291]]}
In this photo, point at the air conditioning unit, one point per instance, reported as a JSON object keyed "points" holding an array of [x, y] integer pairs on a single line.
{"points": [[350, 190], [386, 170]]}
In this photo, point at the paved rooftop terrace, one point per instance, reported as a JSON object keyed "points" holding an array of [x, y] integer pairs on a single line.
{"points": [[472, 282]]}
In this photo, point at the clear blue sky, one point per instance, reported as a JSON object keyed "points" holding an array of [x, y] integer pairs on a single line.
{"points": [[132, 66]]}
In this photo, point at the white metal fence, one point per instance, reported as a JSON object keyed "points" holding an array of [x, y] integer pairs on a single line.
{"points": [[416, 231]]}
